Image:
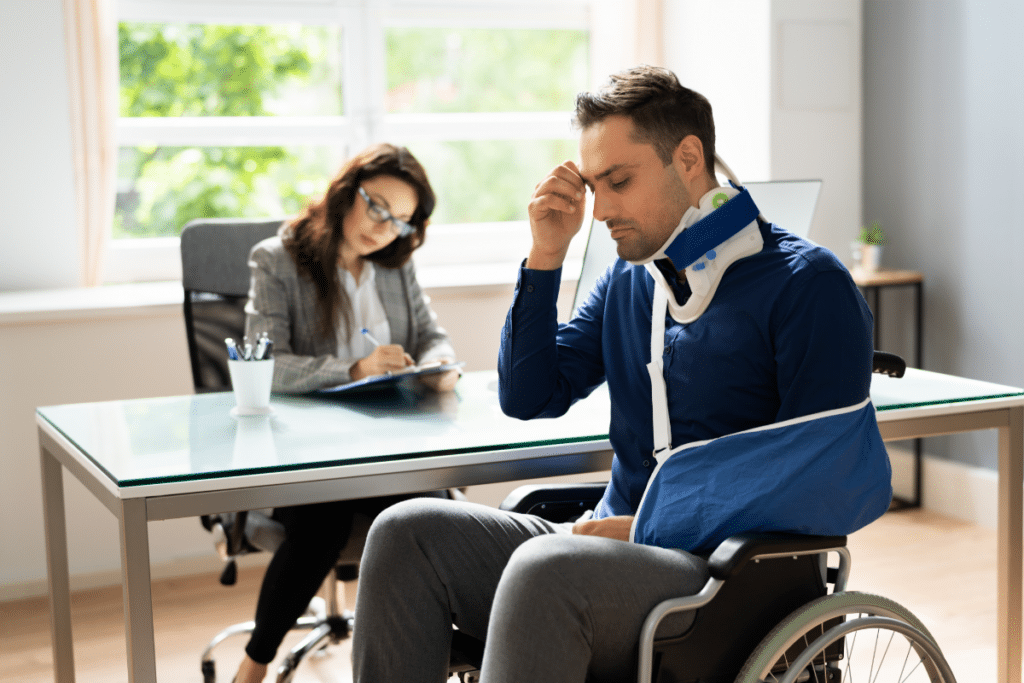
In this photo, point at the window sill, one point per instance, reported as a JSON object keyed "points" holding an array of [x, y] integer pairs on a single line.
{"points": [[146, 299], [90, 303]]}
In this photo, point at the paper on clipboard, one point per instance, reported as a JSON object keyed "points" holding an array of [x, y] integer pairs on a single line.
{"points": [[382, 381]]}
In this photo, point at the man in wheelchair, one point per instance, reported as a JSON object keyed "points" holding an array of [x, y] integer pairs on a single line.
{"points": [[738, 358]]}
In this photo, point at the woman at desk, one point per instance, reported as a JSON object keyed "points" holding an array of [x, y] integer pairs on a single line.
{"points": [[340, 268]]}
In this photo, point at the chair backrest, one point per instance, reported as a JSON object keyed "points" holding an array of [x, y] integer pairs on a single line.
{"points": [[215, 277]]}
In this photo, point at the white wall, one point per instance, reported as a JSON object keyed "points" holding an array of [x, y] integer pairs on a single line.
{"points": [[730, 64], [40, 247], [943, 172]]}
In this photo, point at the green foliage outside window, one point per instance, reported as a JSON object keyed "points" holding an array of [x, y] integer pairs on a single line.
{"points": [[482, 70], [172, 70]]}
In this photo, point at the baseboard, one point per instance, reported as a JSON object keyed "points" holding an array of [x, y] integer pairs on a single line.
{"points": [[949, 488], [188, 566]]}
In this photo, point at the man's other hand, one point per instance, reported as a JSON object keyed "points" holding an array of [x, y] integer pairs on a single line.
{"points": [[609, 527], [556, 215]]}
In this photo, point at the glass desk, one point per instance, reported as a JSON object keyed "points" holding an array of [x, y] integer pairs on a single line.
{"points": [[164, 458]]}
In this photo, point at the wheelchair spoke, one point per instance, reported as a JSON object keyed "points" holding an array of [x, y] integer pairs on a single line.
{"points": [[911, 672], [905, 660], [887, 645], [811, 643]]}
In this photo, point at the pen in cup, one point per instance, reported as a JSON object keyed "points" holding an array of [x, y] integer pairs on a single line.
{"points": [[262, 350], [263, 347]]}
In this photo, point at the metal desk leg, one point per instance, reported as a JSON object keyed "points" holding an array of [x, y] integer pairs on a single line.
{"points": [[138, 596], [1008, 548], [57, 568]]}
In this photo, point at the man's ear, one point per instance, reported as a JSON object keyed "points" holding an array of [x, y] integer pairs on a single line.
{"points": [[689, 158]]}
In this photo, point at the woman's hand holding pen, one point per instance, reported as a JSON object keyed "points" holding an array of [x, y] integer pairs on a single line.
{"points": [[385, 358]]}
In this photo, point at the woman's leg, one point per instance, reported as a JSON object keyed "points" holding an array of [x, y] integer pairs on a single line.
{"points": [[314, 536], [570, 608], [429, 564]]}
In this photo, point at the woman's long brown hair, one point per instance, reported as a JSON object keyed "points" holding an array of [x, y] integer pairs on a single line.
{"points": [[314, 238]]}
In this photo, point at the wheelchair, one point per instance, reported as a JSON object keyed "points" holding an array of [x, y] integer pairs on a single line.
{"points": [[774, 610], [765, 615]]}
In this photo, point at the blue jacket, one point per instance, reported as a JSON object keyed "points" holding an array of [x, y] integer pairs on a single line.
{"points": [[787, 335]]}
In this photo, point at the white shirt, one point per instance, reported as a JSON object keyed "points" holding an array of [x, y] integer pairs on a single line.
{"points": [[367, 311]]}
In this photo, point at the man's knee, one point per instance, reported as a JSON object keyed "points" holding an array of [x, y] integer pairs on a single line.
{"points": [[541, 566], [407, 518]]}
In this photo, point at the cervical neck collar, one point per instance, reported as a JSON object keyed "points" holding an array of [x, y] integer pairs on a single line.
{"points": [[706, 242]]}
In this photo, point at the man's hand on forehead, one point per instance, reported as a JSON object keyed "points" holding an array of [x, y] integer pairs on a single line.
{"points": [[556, 215]]}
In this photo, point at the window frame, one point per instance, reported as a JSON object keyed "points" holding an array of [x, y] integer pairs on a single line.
{"points": [[364, 120]]}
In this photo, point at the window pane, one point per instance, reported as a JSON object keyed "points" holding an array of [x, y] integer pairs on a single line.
{"points": [[213, 70], [480, 70], [162, 188], [484, 181]]}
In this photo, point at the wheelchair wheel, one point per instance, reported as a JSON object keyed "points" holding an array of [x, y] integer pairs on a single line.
{"points": [[850, 638]]}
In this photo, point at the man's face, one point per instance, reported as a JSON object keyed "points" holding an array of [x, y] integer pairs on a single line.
{"points": [[640, 199]]}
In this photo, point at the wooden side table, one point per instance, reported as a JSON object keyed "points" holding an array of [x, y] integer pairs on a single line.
{"points": [[873, 283]]}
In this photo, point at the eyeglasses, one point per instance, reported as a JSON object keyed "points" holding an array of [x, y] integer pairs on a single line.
{"points": [[381, 215]]}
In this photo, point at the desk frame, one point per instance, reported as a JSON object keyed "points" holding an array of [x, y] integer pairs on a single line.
{"points": [[1009, 421], [134, 514], [875, 283]]}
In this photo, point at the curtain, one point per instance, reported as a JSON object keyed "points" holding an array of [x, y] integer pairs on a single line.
{"points": [[90, 29]]}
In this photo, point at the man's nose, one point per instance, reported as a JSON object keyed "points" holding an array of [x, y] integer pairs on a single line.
{"points": [[603, 207]]}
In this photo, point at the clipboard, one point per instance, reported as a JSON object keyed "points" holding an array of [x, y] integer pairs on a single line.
{"points": [[389, 379]]}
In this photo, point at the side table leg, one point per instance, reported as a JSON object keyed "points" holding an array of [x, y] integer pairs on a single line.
{"points": [[138, 595], [1009, 548], [57, 568]]}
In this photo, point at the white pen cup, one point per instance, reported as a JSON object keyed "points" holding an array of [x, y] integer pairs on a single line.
{"points": [[250, 381]]}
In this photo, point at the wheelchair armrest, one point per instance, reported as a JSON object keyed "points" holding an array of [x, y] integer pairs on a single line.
{"points": [[734, 552], [554, 502], [888, 364]]}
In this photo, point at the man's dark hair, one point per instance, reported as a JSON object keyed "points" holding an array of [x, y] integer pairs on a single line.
{"points": [[663, 111]]}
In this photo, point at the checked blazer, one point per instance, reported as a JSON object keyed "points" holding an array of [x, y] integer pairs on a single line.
{"points": [[282, 303]]}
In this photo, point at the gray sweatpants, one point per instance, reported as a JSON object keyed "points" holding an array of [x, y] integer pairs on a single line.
{"points": [[551, 606]]}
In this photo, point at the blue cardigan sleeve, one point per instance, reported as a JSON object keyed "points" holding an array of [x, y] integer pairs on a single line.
{"points": [[544, 367]]}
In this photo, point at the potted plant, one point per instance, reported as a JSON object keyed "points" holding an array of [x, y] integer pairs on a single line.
{"points": [[869, 247]]}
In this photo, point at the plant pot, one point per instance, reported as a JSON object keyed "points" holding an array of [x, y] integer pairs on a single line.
{"points": [[870, 257]]}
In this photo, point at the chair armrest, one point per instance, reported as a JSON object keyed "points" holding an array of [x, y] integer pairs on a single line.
{"points": [[888, 364], [554, 502], [734, 552]]}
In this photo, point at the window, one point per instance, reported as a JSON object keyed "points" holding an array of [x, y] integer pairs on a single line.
{"points": [[248, 108]]}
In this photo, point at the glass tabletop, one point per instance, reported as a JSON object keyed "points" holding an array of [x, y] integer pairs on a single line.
{"points": [[183, 438], [919, 388], [158, 440]]}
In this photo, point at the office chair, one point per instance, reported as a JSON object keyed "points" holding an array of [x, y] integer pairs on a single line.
{"points": [[765, 614], [215, 279]]}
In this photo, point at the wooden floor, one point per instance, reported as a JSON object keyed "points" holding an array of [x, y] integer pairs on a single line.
{"points": [[942, 570]]}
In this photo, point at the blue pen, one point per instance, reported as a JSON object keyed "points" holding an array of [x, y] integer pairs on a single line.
{"points": [[232, 349], [366, 333]]}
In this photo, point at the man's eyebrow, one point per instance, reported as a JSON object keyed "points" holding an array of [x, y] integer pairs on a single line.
{"points": [[604, 174]]}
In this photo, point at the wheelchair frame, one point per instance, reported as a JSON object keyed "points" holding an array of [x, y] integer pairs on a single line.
{"points": [[789, 652]]}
